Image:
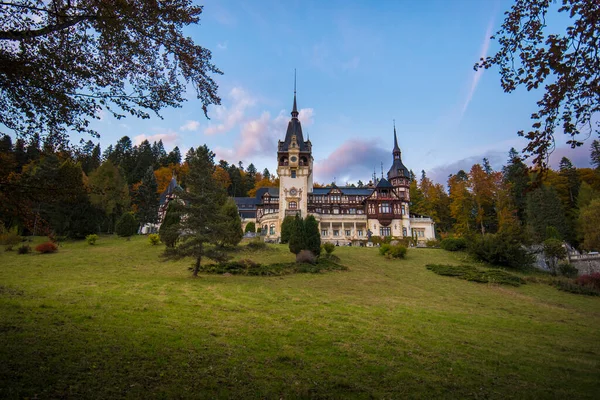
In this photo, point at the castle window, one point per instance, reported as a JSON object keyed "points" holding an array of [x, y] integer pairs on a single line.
{"points": [[336, 232], [323, 232], [272, 230], [336, 210], [359, 232], [293, 173], [404, 232], [403, 210], [384, 208], [293, 205], [348, 232], [385, 231]]}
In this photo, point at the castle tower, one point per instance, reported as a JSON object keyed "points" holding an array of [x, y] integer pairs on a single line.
{"points": [[399, 178], [294, 168]]}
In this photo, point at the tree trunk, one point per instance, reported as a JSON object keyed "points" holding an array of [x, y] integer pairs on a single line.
{"points": [[198, 262]]}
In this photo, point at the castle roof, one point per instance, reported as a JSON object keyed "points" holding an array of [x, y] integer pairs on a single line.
{"points": [[398, 169], [294, 128]]}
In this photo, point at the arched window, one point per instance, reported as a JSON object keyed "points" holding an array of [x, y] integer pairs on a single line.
{"points": [[293, 205], [272, 230]]}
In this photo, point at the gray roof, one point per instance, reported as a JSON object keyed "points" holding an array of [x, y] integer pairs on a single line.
{"points": [[246, 200], [169, 190], [397, 169], [294, 128], [383, 183]]}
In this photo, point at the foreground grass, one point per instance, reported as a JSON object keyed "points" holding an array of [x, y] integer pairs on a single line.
{"points": [[113, 321]]}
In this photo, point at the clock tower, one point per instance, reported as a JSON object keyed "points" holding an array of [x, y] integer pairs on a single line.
{"points": [[295, 169]]}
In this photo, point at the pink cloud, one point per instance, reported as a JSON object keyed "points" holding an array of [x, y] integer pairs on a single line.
{"points": [[168, 138]]}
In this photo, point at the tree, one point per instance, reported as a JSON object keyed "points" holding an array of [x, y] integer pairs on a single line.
{"points": [[566, 65], [222, 177], [231, 232], [109, 191], [250, 227], [146, 199], [554, 252], [312, 236], [174, 157], [127, 225], [595, 154], [201, 205], [287, 226], [461, 203], [297, 241], [544, 209], [65, 62], [169, 229], [516, 175], [590, 225]]}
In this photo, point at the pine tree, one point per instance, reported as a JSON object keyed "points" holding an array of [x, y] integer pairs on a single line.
{"points": [[127, 225], [146, 199], [203, 222], [231, 232], [544, 209], [595, 154], [516, 174], [174, 157], [169, 228], [287, 227]]}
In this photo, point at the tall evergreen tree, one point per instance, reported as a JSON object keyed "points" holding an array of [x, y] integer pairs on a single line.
{"points": [[174, 157], [544, 210], [516, 174], [203, 222], [297, 241], [595, 154], [287, 227], [312, 236], [109, 192], [146, 199], [230, 232]]}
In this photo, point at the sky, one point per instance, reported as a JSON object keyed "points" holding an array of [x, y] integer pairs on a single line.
{"points": [[361, 65]]}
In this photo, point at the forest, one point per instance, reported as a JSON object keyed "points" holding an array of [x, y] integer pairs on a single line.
{"points": [[78, 190]]}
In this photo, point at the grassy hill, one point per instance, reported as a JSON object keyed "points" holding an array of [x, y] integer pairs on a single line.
{"points": [[113, 321]]}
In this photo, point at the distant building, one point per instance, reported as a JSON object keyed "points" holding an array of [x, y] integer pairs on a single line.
{"points": [[166, 196], [345, 214]]}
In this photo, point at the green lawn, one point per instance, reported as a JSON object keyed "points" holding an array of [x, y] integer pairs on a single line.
{"points": [[112, 321]]}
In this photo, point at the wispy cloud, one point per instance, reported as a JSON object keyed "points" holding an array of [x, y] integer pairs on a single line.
{"points": [[228, 117], [353, 160], [190, 125], [258, 137], [169, 138], [222, 46], [477, 75]]}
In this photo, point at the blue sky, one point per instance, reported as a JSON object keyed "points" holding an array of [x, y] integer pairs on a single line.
{"points": [[361, 64]]}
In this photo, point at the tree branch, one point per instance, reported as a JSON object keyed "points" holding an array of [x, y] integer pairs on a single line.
{"points": [[21, 35]]}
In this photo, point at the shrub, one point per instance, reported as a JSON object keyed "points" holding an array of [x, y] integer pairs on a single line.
{"points": [[91, 239], [432, 243], [574, 287], [328, 247], [169, 229], [127, 225], [591, 280], [306, 256], [553, 252], [10, 238], [47, 247], [501, 249], [24, 249], [389, 251], [384, 249], [256, 244], [398, 251], [154, 239], [454, 244], [473, 274], [566, 269]]}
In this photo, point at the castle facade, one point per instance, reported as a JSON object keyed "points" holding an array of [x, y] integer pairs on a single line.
{"points": [[346, 215]]}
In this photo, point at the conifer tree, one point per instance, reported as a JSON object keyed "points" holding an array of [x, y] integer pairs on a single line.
{"points": [[297, 241], [544, 209], [287, 227], [146, 199], [201, 205], [169, 228], [312, 236], [231, 232], [127, 225]]}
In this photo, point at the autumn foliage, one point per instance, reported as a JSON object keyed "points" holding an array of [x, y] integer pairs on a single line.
{"points": [[47, 247]]}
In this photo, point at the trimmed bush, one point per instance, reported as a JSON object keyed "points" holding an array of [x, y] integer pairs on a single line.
{"points": [[47, 247], [153, 239], [473, 274], [256, 244], [453, 244], [389, 251], [91, 239], [24, 249], [251, 268], [501, 249], [328, 247], [576, 288]]}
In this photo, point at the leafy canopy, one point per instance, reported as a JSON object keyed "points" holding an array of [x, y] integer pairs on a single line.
{"points": [[66, 62], [565, 64]]}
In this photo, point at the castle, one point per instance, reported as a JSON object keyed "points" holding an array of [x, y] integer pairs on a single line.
{"points": [[346, 215]]}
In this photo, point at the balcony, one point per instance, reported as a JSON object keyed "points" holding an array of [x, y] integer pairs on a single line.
{"points": [[292, 213]]}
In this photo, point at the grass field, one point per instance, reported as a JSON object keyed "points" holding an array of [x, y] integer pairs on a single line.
{"points": [[113, 321]]}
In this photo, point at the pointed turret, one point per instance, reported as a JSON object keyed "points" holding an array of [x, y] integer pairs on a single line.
{"points": [[295, 107], [294, 129], [398, 169]]}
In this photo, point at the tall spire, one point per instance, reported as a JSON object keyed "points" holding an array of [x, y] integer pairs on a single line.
{"points": [[295, 108], [396, 147]]}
